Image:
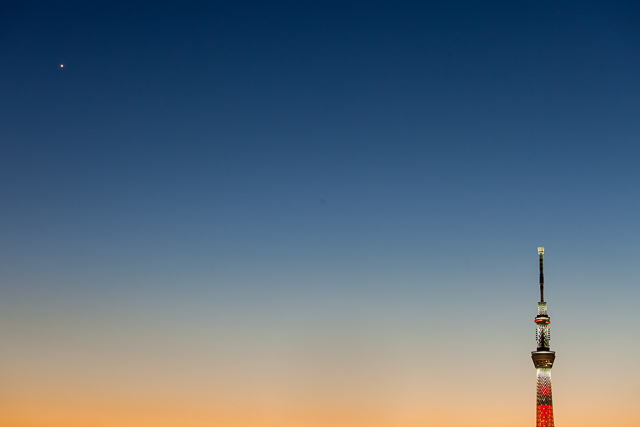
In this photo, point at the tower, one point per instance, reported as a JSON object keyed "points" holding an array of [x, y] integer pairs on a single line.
{"points": [[543, 358]]}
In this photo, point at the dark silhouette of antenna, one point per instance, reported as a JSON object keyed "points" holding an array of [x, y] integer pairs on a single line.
{"points": [[541, 256]]}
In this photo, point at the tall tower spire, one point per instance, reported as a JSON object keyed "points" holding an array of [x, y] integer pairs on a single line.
{"points": [[543, 358]]}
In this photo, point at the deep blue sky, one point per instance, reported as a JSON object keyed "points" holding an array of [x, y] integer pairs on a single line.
{"points": [[283, 133], [319, 151]]}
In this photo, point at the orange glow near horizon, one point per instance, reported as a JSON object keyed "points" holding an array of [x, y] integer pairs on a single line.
{"points": [[187, 405]]}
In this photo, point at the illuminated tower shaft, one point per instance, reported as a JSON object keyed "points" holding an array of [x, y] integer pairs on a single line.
{"points": [[543, 358]]}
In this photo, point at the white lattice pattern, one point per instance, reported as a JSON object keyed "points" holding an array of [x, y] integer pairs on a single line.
{"points": [[542, 309], [544, 386], [543, 335]]}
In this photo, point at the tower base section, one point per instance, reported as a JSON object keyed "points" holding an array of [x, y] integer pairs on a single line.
{"points": [[544, 416], [544, 404]]}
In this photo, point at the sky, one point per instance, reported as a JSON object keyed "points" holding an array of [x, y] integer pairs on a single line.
{"points": [[278, 214]]}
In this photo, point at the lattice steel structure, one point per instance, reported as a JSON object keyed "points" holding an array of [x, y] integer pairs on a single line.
{"points": [[543, 358]]}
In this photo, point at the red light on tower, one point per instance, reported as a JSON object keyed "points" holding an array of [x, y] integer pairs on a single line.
{"points": [[543, 358]]}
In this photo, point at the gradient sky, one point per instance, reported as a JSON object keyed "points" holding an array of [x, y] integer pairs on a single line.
{"points": [[279, 214]]}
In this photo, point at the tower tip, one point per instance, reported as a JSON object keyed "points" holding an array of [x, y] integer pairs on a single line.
{"points": [[540, 251]]}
